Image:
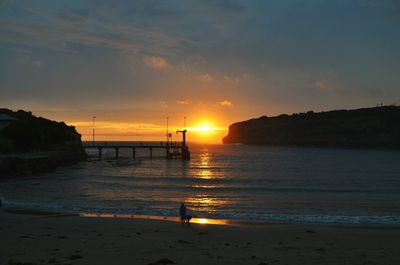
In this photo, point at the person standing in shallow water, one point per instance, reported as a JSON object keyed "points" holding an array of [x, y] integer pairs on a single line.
{"points": [[185, 218]]}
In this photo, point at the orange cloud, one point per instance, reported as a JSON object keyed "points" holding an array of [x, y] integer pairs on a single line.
{"points": [[182, 102], [225, 103], [156, 62], [163, 104], [231, 79], [323, 86], [204, 77]]}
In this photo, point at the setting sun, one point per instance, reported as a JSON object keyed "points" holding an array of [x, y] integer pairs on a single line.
{"points": [[206, 131], [204, 127]]}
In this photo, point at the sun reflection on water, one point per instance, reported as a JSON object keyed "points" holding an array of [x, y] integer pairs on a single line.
{"points": [[206, 179], [207, 221], [204, 165], [205, 174], [205, 203], [205, 186]]}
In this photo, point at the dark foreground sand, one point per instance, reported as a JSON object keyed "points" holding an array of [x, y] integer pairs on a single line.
{"points": [[49, 239]]}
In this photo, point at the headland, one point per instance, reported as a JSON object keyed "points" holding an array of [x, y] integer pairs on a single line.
{"points": [[376, 127], [30, 144]]}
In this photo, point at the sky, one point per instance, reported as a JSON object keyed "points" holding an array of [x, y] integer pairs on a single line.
{"points": [[132, 64]]}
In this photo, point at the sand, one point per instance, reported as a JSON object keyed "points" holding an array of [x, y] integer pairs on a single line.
{"points": [[33, 238]]}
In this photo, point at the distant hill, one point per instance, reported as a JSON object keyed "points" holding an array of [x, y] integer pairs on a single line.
{"points": [[377, 127], [31, 133]]}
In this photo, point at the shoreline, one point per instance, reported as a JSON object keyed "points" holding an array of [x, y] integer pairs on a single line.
{"points": [[175, 219], [25, 165], [70, 239]]}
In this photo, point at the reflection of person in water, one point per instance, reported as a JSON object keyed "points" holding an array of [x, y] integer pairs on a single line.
{"points": [[185, 218]]}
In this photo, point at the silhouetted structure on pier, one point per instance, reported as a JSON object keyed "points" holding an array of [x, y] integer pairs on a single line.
{"points": [[172, 150]]}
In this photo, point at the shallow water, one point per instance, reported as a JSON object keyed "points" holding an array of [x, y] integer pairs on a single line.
{"points": [[226, 181]]}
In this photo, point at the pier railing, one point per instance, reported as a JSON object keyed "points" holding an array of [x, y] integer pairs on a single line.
{"points": [[172, 150]]}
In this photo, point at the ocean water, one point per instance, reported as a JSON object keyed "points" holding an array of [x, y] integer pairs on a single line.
{"points": [[226, 182]]}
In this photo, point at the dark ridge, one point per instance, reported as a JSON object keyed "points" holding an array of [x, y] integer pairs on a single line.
{"points": [[30, 144], [377, 127]]}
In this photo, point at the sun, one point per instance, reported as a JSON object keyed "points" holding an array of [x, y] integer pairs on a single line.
{"points": [[205, 128], [207, 131]]}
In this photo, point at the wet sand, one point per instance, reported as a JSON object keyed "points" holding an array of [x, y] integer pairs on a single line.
{"points": [[40, 238]]}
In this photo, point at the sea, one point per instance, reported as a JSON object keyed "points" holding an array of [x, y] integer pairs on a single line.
{"points": [[234, 182]]}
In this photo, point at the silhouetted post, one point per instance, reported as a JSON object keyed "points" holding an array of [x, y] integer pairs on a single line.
{"points": [[167, 149], [151, 152], [116, 152], [94, 123], [167, 131], [134, 152], [183, 136], [184, 148]]}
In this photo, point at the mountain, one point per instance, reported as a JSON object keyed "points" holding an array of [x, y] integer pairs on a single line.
{"points": [[377, 127]]}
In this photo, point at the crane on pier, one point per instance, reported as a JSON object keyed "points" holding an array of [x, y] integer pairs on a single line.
{"points": [[185, 148]]}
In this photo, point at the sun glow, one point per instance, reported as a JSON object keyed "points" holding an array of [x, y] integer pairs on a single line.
{"points": [[206, 131], [202, 221], [206, 221], [202, 130], [203, 127]]}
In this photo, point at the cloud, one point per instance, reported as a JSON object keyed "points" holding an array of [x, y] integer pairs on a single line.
{"points": [[225, 103], [57, 29], [231, 79], [39, 63], [323, 86], [233, 6], [182, 102], [204, 77], [153, 50], [156, 62], [393, 6], [74, 16], [117, 125], [249, 76], [163, 105]]}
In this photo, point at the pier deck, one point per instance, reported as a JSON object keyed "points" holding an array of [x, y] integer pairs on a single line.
{"points": [[179, 151]]}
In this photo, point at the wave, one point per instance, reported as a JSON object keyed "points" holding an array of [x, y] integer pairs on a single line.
{"points": [[189, 184]]}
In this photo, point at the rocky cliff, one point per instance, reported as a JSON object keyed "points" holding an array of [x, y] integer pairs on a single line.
{"points": [[377, 127]]}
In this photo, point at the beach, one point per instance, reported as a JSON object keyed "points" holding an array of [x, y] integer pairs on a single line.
{"points": [[42, 238]]}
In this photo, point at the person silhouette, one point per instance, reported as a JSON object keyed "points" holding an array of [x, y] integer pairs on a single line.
{"points": [[185, 218]]}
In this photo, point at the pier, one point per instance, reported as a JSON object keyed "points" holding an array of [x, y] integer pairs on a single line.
{"points": [[171, 150]]}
